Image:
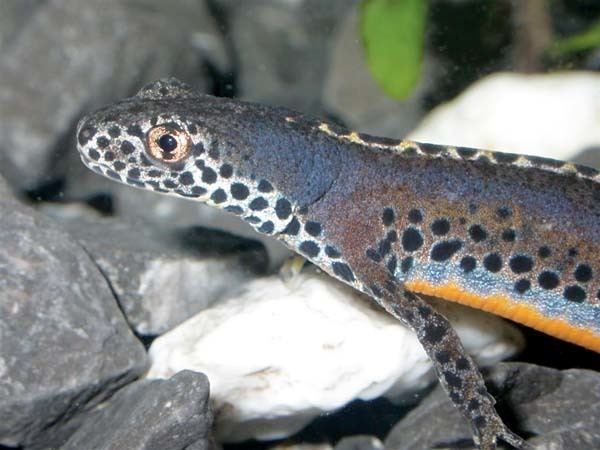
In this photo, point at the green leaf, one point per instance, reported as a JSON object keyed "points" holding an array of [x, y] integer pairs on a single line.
{"points": [[392, 33], [581, 42]]}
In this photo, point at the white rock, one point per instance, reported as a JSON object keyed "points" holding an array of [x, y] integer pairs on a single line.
{"points": [[555, 115], [282, 353]]}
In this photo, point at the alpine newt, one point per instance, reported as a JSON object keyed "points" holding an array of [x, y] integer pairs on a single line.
{"points": [[514, 235]]}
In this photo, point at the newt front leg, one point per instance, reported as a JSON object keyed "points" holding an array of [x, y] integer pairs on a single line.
{"points": [[456, 370]]}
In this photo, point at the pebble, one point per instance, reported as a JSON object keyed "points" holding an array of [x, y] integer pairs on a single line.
{"points": [[171, 414], [548, 115], [286, 351], [162, 276]]}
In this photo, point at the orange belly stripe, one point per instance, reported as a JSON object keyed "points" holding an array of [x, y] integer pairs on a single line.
{"points": [[506, 307]]}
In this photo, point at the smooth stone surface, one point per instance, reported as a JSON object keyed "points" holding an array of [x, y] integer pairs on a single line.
{"points": [[64, 344], [560, 409], [171, 414], [285, 352], [162, 276], [70, 56], [552, 115]]}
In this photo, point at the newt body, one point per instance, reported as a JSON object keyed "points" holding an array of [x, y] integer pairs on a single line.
{"points": [[517, 236]]}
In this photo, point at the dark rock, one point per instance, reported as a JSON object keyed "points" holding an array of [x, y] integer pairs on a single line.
{"points": [[558, 409], [162, 276], [171, 414], [64, 345], [70, 56], [359, 443]]}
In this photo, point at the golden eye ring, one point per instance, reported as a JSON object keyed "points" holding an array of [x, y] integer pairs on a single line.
{"points": [[168, 143]]}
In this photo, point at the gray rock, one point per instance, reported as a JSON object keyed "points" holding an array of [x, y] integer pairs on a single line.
{"points": [[282, 48], [64, 344], [171, 414], [359, 443], [561, 409], [70, 56], [162, 276]]}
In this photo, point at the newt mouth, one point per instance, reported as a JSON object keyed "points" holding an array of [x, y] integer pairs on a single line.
{"points": [[94, 166]]}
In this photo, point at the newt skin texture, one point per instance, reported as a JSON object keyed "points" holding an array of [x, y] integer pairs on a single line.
{"points": [[514, 235]]}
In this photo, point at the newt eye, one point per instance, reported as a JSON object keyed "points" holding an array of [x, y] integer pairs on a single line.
{"points": [[168, 143]]}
